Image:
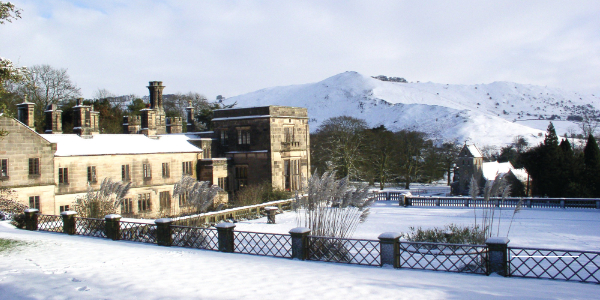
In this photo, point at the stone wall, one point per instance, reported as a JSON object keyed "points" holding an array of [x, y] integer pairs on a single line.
{"points": [[21, 144], [111, 166]]}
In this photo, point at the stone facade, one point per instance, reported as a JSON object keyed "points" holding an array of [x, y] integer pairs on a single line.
{"points": [[248, 146], [468, 166], [27, 162], [267, 143]]}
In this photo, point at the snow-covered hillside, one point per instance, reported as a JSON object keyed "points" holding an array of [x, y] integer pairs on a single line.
{"points": [[486, 114]]}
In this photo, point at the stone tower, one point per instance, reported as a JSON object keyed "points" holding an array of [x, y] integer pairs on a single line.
{"points": [[469, 165]]}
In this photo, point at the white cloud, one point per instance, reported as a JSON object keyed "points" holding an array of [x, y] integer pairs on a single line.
{"points": [[233, 47]]}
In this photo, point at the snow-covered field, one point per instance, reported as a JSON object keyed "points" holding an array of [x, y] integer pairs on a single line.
{"points": [[57, 266]]}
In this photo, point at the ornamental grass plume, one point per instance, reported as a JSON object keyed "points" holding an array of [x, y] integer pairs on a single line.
{"points": [[199, 194], [104, 201], [332, 208]]}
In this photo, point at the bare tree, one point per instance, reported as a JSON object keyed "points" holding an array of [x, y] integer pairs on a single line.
{"points": [[338, 143], [409, 155], [46, 85], [449, 153], [378, 152], [520, 143], [589, 124]]}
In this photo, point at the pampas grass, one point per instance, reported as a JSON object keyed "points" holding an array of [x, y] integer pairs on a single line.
{"points": [[104, 201], [332, 208], [200, 194]]}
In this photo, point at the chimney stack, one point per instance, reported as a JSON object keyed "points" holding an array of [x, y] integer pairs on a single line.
{"points": [[25, 112], [53, 119], [154, 120], [85, 120], [174, 125], [156, 97], [189, 112]]}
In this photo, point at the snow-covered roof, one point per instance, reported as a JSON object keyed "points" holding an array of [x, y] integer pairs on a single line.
{"points": [[491, 169], [103, 144], [521, 174], [474, 151]]}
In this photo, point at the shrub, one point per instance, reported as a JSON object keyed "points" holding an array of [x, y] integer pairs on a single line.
{"points": [[18, 221], [259, 193], [451, 234], [10, 209], [8, 205]]}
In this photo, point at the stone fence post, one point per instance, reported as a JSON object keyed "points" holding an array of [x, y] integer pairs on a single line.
{"points": [[271, 212], [163, 232], [497, 255], [68, 218], [112, 226], [389, 247], [300, 242], [226, 239], [31, 219]]}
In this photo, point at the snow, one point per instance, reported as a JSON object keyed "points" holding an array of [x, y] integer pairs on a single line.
{"points": [[103, 144], [485, 114], [572, 229], [474, 151], [59, 266]]}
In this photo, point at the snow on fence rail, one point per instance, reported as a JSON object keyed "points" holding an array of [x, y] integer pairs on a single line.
{"points": [[239, 213], [554, 264], [494, 257], [405, 200]]}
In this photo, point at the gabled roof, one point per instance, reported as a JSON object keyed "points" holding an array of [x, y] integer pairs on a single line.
{"points": [[105, 144], [470, 151]]}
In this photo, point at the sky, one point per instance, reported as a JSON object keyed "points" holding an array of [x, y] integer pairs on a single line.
{"points": [[234, 47]]}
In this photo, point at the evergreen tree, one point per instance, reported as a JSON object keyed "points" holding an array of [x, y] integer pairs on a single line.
{"points": [[542, 164], [551, 177], [591, 157], [566, 166]]}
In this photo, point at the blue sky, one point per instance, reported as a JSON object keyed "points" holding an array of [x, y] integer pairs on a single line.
{"points": [[235, 47]]}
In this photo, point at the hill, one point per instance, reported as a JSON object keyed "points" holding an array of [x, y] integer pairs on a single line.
{"points": [[486, 114]]}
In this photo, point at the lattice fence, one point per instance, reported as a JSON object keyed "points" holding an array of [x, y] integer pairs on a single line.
{"points": [[351, 251], [195, 237], [270, 244], [90, 227], [555, 264], [138, 232], [50, 223], [443, 257]]}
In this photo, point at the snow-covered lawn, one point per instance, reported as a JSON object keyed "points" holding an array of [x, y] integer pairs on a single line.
{"points": [[570, 229], [58, 266]]}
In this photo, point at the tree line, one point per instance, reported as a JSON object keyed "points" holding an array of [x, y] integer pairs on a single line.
{"points": [[349, 147], [561, 170], [44, 85]]}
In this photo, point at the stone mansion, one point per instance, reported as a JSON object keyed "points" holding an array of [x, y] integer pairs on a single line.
{"points": [[248, 146]]}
